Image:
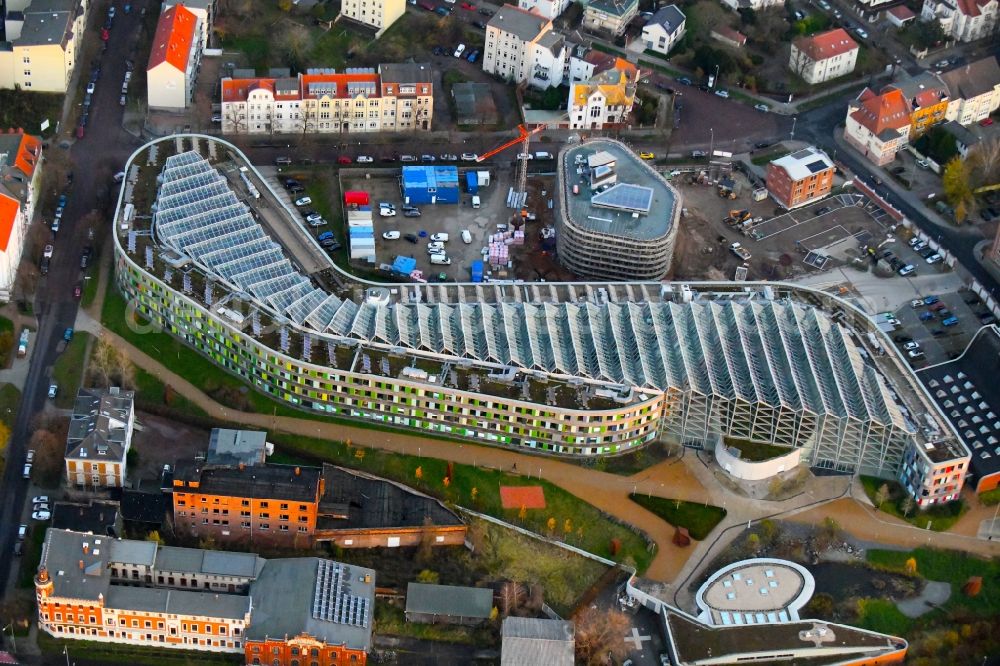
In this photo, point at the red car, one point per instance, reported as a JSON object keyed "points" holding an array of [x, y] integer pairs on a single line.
{"points": [[468, 5], [986, 122], [428, 6], [344, 159], [105, 35], [80, 131], [77, 292]]}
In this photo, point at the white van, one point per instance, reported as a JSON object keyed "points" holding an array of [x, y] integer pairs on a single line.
{"points": [[441, 259], [476, 201], [466, 236], [542, 155]]}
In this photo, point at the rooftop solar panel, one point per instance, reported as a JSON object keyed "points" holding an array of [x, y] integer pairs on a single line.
{"points": [[816, 167], [625, 196]]}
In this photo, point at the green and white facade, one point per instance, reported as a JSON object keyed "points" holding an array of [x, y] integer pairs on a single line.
{"points": [[578, 369]]}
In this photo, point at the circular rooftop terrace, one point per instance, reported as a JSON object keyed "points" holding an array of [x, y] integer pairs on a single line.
{"points": [[756, 591]]}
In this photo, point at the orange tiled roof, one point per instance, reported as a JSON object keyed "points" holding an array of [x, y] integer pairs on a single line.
{"points": [[8, 215], [174, 38], [27, 154], [826, 44], [881, 112], [972, 7], [902, 12]]}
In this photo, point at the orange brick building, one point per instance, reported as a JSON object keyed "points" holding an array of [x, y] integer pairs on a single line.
{"points": [[291, 612], [800, 178], [272, 504]]}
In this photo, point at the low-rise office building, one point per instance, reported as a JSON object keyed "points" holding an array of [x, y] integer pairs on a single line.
{"points": [[100, 436], [94, 588], [825, 56], [41, 44], [799, 178], [175, 59], [393, 98]]}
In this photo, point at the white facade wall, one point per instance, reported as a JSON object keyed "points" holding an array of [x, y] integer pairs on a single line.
{"points": [[972, 110], [550, 9], [509, 57], [656, 38], [818, 71], [380, 14], [960, 26], [754, 471]]}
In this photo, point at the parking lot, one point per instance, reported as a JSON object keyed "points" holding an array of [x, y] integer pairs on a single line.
{"points": [[923, 325], [435, 218]]}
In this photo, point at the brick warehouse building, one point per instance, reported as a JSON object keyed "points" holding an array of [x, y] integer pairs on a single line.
{"points": [[274, 504], [282, 612]]}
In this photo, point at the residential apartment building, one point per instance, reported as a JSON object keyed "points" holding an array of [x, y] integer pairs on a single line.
{"points": [[175, 59], [273, 504], [963, 20], [666, 27], [205, 10], [550, 9], [606, 99], [800, 178], [927, 97], [756, 5], [585, 63], [823, 57], [395, 98], [973, 90], [378, 14], [522, 47], [99, 439], [41, 44], [935, 474], [283, 611], [609, 17], [20, 173], [878, 125]]}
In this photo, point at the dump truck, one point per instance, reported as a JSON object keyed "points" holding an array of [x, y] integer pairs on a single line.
{"points": [[740, 251]]}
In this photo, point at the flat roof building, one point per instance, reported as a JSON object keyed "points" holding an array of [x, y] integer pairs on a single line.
{"points": [[800, 178], [617, 220], [227, 447], [528, 641], [100, 517], [448, 604]]}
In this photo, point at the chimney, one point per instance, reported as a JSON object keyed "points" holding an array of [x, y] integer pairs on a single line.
{"points": [[86, 547], [243, 466], [81, 565], [298, 471]]}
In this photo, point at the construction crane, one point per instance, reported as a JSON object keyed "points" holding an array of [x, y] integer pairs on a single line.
{"points": [[524, 136]]}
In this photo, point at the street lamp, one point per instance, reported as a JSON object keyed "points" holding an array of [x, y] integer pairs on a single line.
{"points": [[711, 145], [11, 627]]}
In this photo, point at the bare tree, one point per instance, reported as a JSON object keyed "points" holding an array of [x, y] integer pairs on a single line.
{"points": [[293, 42], [103, 361], [49, 453], [235, 120], [600, 635]]}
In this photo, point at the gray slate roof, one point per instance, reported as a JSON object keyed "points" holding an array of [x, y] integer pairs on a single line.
{"points": [[524, 25], [179, 602], [286, 591], [406, 72], [451, 600], [62, 555], [613, 7], [972, 80], [670, 17], [214, 562], [531, 641]]}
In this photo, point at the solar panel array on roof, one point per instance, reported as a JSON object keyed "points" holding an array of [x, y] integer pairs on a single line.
{"points": [[816, 167], [625, 196]]}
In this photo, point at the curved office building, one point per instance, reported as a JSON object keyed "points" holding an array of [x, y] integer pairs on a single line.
{"points": [[576, 369], [617, 216]]}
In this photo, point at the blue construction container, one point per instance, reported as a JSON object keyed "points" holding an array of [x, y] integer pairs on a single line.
{"points": [[471, 182], [430, 184], [477, 271], [404, 265]]}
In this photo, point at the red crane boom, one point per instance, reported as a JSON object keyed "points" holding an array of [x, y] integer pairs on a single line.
{"points": [[523, 135]]}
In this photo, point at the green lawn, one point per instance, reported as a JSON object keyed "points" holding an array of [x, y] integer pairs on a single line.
{"points": [[19, 108], [598, 530], [90, 285], [882, 615], [391, 621], [699, 519], [67, 371], [951, 567], [8, 343], [756, 451], [129, 654], [990, 497], [941, 518], [761, 160], [10, 400], [256, 47], [151, 390]]}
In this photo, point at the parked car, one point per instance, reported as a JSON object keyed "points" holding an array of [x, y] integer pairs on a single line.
{"points": [[22, 532], [950, 321], [937, 305], [387, 212], [479, 24], [466, 236], [698, 153], [390, 235], [40, 515], [917, 303], [915, 354], [934, 258], [684, 81], [860, 32], [412, 238], [435, 247], [441, 259], [442, 11], [647, 156], [68, 334], [762, 107], [364, 159], [448, 157], [931, 300], [473, 56], [304, 201], [53, 390], [722, 93], [411, 212], [907, 269], [344, 159], [440, 237], [911, 345], [313, 216], [923, 164], [91, 87], [459, 50], [469, 157], [986, 122], [26, 472]]}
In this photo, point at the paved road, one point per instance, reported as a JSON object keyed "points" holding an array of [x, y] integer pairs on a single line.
{"points": [[95, 159]]}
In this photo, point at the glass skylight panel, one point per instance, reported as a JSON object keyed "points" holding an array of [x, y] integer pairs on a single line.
{"points": [[626, 197]]}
